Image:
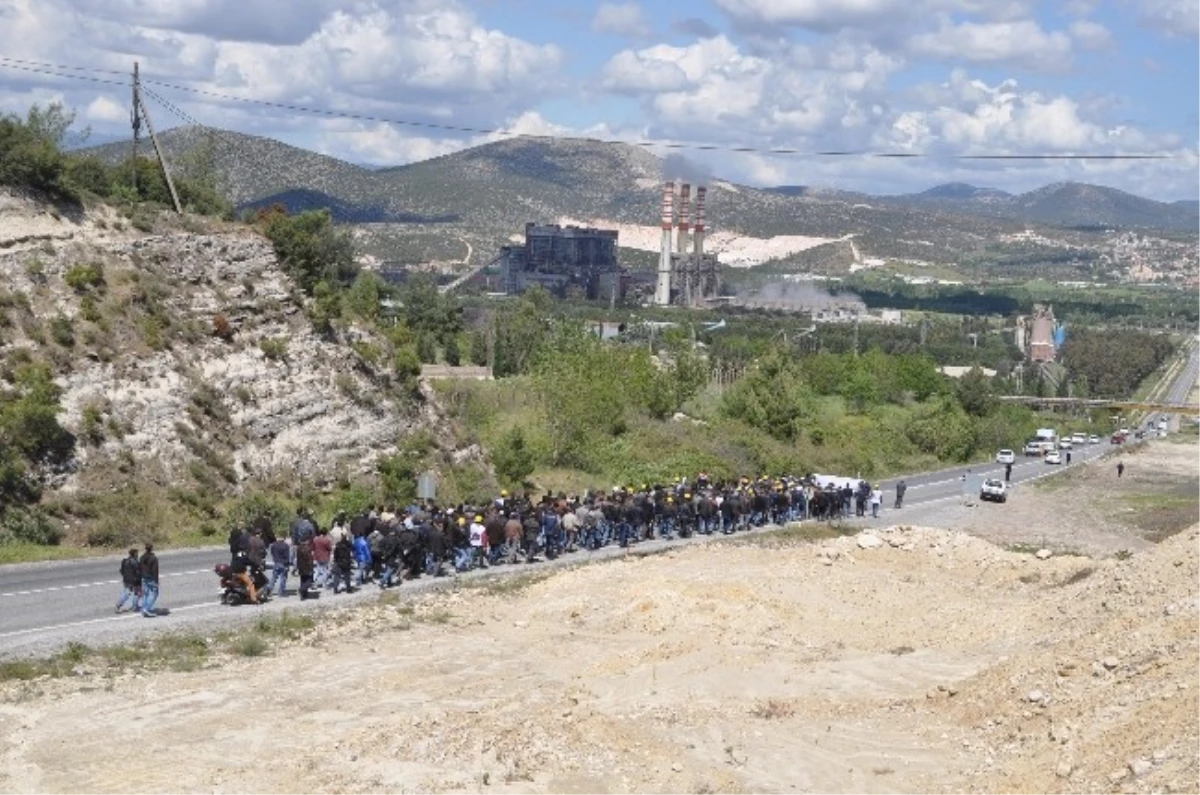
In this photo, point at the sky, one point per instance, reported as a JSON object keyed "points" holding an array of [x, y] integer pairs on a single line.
{"points": [[944, 79]]}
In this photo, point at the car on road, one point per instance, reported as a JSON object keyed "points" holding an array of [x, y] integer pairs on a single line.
{"points": [[1033, 448], [993, 489], [1065, 444], [1079, 438], [1093, 439], [1118, 438], [1053, 458], [1006, 457]]}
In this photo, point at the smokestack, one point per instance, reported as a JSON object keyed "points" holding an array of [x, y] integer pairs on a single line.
{"points": [[685, 198], [662, 292], [698, 237]]}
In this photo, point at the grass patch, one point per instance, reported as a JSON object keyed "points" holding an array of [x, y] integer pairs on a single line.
{"points": [[508, 585], [805, 533], [1159, 516], [249, 646]]}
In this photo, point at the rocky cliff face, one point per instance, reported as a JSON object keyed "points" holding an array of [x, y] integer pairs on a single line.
{"points": [[193, 351]]}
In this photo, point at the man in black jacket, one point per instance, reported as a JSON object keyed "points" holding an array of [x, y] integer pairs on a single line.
{"points": [[148, 566], [131, 581]]}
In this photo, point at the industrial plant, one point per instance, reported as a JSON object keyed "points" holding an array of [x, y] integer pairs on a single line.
{"points": [[584, 261], [685, 277], [564, 259]]}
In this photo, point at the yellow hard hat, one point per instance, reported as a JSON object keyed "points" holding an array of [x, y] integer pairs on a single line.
{"points": [[503, 492], [462, 520], [478, 518]]}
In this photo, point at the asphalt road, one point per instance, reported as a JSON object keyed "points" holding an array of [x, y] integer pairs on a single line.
{"points": [[46, 605]]}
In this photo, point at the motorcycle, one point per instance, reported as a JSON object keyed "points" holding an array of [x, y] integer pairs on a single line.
{"points": [[234, 591]]}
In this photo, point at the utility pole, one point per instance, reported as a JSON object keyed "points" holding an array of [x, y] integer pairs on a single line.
{"points": [[135, 119], [139, 107]]}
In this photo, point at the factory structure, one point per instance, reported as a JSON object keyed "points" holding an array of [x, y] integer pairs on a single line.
{"points": [[562, 259], [1039, 336], [686, 275], [584, 261]]}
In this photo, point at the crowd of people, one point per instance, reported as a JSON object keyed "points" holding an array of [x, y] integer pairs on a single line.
{"points": [[384, 545]]}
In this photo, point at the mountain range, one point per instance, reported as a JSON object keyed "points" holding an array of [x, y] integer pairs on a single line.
{"points": [[479, 197]]}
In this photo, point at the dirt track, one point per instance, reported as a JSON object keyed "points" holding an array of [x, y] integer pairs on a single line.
{"points": [[935, 662]]}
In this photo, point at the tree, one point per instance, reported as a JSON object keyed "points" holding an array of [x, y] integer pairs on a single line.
{"points": [[975, 393], [310, 249], [513, 459]]}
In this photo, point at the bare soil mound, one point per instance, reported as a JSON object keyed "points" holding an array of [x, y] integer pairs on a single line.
{"points": [[911, 659]]}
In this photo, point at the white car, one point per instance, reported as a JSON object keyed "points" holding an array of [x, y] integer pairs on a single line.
{"points": [[994, 489], [1053, 458], [1093, 439], [1079, 438], [1065, 444], [1006, 457]]}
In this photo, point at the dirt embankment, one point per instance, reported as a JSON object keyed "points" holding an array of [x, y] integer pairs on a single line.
{"points": [[910, 659]]}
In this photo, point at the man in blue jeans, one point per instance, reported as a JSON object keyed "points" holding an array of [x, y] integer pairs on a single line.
{"points": [[131, 581], [281, 557], [149, 567]]}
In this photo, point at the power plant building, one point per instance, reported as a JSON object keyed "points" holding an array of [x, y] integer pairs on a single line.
{"points": [[687, 276], [564, 258]]}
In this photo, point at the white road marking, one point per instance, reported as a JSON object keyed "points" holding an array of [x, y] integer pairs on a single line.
{"points": [[53, 588]]}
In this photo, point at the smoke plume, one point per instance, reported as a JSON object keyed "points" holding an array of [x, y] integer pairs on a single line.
{"points": [[802, 295], [678, 167]]}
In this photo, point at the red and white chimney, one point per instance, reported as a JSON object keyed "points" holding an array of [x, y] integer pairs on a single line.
{"points": [[685, 198], [698, 237]]}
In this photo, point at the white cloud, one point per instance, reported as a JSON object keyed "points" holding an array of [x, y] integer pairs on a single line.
{"points": [[1019, 42], [1091, 35], [419, 59], [106, 109], [623, 19], [1173, 17], [877, 16]]}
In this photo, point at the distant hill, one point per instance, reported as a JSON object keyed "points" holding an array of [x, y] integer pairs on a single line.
{"points": [[961, 190], [474, 200]]}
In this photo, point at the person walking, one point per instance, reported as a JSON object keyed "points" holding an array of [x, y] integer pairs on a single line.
{"points": [[876, 501], [1120, 468], [131, 581], [281, 561], [148, 566], [304, 565], [901, 487], [1007, 473], [322, 551]]}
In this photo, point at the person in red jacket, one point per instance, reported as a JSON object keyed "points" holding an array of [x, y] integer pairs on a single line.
{"points": [[322, 551]]}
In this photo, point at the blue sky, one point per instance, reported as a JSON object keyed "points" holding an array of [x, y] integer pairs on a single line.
{"points": [[942, 78]]}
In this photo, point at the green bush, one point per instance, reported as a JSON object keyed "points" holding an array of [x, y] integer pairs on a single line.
{"points": [[28, 526], [310, 249], [274, 348], [62, 331], [82, 278]]}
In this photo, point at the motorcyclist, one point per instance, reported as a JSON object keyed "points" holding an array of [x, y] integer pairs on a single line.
{"points": [[246, 571]]}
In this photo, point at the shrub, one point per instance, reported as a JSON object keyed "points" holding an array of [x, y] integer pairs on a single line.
{"points": [[221, 328], [275, 348], [62, 331], [89, 309], [29, 526], [82, 278], [91, 427], [310, 249]]}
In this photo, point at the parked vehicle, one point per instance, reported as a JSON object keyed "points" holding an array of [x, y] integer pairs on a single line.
{"points": [[1065, 444], [1006, 457], [1119, 438], [1033, 448], [1079, 438], [1093, 439], [1053, 458], [994, 490]]}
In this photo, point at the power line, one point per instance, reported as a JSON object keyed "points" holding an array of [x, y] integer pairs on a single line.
{"points": [[51, 69]]}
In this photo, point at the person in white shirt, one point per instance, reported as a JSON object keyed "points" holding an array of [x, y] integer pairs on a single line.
{"points": [[876, 500], [479, 541]]}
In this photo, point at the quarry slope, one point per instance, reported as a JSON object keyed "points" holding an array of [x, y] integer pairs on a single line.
{"points": [[145, 375]]}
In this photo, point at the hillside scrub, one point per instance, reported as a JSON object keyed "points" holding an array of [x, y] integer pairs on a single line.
{"points": [[33, 156]]}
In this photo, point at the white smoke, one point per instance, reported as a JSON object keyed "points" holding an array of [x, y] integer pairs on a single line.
{"points": [[678, 167], [801, 295]]}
